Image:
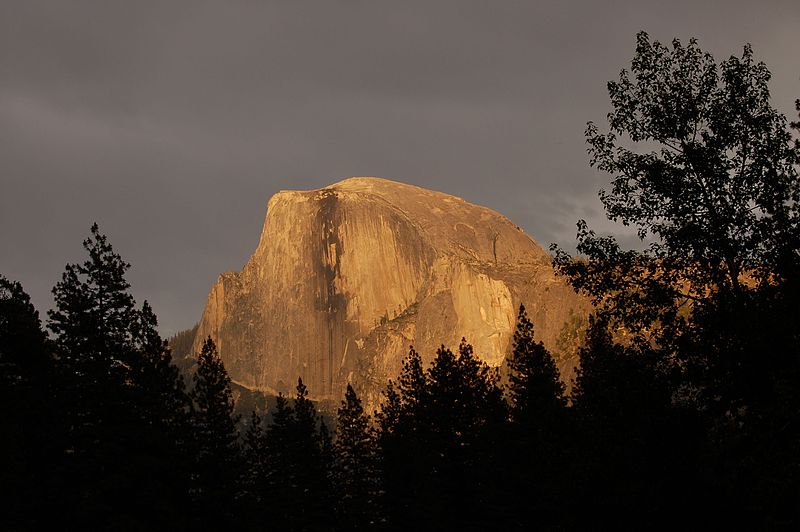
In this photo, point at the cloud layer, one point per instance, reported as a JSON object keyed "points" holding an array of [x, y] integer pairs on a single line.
{"points": [[172, 123]]}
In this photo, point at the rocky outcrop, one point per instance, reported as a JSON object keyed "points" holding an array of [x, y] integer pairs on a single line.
{"points": [[347, 277]]}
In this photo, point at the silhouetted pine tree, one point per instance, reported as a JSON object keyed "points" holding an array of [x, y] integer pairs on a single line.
{"points": [[537, 450], [117, 396], [466, 412], [30, 435], [255, 456], [280, 475], [254, 489], [327, 453], [464, 398], [162, 399], [438, 434], [314, 493], [298, 449], [355, 473], [217, 466], [403, 443], [163, 444], [412, 384], [91, 323], [638, 453], [24, 354], [535, 389]]}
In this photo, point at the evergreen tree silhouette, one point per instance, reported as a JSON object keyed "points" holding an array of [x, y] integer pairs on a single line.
{"points": [[307, 447], [254, 490], [118, 396], [538, 446], [91, 323], [164, 442], [281, 476], [356, 474], [466, 412], [326, 444], [255, 456], [706, 170], [435, 429], [31, 434], [403, 443], [535, 389], [24, 353], [639, 454], [217, 466], [298, 449]]}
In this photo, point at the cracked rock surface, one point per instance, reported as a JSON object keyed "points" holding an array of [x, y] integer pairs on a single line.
{"points": [[347, 277]]}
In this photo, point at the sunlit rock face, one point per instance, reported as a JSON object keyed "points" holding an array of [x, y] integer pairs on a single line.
{"points": [[347, 277]]}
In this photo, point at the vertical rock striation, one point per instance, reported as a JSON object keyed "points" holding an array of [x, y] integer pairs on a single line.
{"points": [[345, 278]]}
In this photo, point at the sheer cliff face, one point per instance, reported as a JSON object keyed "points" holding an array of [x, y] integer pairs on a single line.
{"points": [[347, 277]]}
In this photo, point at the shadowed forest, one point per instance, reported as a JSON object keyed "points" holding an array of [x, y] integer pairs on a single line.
{"points": [[685, 411]]}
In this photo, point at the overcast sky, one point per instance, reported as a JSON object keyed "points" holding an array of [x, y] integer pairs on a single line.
{"points": [[172, 123]]}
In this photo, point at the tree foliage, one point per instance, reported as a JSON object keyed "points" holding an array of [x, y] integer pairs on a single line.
{"points": [[705, 170], [535, 386], [216, 448], [356, 472], [115, 392], [297, 453], [711, 183], [27, 424], [684, 413], [438, 430]]}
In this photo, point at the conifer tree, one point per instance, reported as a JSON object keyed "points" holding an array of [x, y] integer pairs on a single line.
{"points": [[434, 426], [403, 442], [30, 434], [537, 450], [162, 397], [297, 468], [117, 395], [279, 431], [401, 410], [161, 449], [412, 383], [254, 488], [326, 447], [464, 395], [91, 323], [24, 353], [536, 391], [307, 442], [306, 421], [255, 456], [281, 476], [216, 438], [356, 475], [466, 412]]}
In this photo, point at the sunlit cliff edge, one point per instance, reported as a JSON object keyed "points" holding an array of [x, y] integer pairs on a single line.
{"points": [[347, 277]]}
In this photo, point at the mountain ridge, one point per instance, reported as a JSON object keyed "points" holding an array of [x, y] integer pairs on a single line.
{"points": [[346, 277]]}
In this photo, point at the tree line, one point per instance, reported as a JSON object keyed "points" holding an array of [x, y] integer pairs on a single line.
{"points": [[685, 410], [101, 430]]}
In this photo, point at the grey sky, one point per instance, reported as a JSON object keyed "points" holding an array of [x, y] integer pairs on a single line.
{"points": [[172, 123]]}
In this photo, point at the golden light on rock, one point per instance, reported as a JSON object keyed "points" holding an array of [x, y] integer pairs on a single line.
{"points": [[346, 277]]}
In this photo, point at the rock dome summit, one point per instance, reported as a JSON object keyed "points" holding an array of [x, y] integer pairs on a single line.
{"points": [[345, 278]]}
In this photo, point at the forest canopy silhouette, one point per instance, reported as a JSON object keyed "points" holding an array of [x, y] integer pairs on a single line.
{"points": [[685, 410]]}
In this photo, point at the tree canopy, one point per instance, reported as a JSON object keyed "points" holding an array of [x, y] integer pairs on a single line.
{"points": [[704, 169]]}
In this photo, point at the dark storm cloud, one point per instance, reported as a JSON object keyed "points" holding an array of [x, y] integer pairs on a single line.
{"points": [[171, 123]]}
